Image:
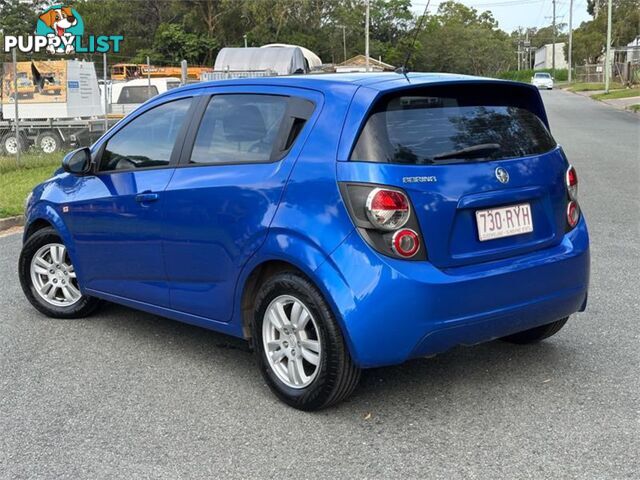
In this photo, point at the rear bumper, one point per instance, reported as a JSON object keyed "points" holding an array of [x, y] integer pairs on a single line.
{"points": [[393, 310]]}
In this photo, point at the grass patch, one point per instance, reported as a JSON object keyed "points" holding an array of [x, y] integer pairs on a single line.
{"points": [[625, 93], [634, 108], [16, 181], [560, 75], [589, 87]]}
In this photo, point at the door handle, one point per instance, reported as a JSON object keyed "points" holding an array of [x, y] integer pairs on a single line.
{"points": [[146, 197]]}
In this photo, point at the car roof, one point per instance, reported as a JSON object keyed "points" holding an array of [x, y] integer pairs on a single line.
{"points": [[380, 80]]}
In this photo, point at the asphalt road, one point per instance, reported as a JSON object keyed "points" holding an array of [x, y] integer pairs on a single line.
{"points": [[129, 395]]}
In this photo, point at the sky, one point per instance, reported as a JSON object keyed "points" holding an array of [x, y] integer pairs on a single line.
{"points": [[511, 14]]}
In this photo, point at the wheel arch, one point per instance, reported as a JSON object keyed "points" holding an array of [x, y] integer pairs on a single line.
{"points": [[288, 251], [35, 225], [42, 215], [257, 277]]}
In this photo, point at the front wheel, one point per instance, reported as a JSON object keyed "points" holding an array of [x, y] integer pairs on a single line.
{"points": [[48, 277], [536, 334], [11, 141], [299, 346]]}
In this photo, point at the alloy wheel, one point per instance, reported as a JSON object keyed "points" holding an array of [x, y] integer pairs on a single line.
{"points": [[54, 277], [291, 340]]}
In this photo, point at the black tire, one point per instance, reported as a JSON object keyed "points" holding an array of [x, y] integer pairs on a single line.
{"points": [[83, 307], [9, 136], [536, 334], [52, 140], [337, 375]]}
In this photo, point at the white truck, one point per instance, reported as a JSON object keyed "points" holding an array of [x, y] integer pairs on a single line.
{"points": [[124, 97], [59, 105]]}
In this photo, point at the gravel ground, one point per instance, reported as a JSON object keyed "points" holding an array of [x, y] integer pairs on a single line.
{"points": [[128, 395]]}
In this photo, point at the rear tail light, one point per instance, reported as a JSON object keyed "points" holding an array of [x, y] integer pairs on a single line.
{"points": [[571, 179], [573, 209], [387, 209], [383, 218], [573, 213], [405, 243]]}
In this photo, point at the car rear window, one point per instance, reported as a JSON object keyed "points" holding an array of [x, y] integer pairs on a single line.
{"points": [[139, 94], [435, 129]]}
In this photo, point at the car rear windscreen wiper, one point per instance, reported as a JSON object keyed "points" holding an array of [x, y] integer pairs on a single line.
{"points": [[469, 152]]}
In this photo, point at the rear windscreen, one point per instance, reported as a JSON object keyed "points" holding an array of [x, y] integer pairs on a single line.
{"points": [[434, 129]]}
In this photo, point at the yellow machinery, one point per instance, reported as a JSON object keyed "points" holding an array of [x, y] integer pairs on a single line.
{"points": [[131, 71]]}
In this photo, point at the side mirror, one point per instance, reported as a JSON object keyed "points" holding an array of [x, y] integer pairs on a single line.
{"points": [[77, 162]]}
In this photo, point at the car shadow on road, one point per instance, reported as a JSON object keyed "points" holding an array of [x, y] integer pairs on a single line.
{"points": [[493, 368]]}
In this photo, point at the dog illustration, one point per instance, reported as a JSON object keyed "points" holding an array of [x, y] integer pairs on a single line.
{"points": [[59, 20]]}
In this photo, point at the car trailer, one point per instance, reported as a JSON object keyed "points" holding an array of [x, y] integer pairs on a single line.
{"points": [[51, 135]]}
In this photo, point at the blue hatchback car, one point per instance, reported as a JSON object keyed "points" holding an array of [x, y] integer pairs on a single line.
{"points": [[337, 222]]}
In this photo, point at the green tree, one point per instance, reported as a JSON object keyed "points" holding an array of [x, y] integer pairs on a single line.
{"points": [[459, 39], [17, 18], [172, 44], [590, 39]]}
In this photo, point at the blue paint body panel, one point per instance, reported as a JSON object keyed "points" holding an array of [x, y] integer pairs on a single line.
{"points": [[188, 254]]}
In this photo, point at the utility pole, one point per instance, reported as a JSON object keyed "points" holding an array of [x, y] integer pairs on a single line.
{"points": [[344, 43], [15, 101], [570, 37], [527, 51], [519, 48], [184, 72], [607, 66], [366, 35], [553, 47], [148, 78], [245, 40], [106, 92]]}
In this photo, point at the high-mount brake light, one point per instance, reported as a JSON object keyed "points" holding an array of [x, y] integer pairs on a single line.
{"points": [[405, 243], [387, 209], [571, 179]]}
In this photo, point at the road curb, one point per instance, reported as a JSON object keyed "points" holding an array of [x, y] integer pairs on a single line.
{"points": [[10, 222], [587, 94]]}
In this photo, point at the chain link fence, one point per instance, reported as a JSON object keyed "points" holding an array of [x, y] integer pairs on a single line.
{"points": [[625, 73]]}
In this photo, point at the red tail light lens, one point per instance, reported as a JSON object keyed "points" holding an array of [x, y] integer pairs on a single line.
{"points": [[387, 209], [572, 182], [573, 213], [405, 243], [382, 216]]}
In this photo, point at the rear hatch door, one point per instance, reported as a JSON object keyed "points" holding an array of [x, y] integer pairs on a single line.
{"points": [[462, 152]]}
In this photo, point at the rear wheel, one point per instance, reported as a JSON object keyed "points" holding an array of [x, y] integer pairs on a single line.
{"points": [[49, 142], [48, 277], [299, 346], [536, 334]]}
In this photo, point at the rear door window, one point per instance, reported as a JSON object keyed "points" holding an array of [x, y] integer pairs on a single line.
{"points": [[248, 128], [433, 129]]}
